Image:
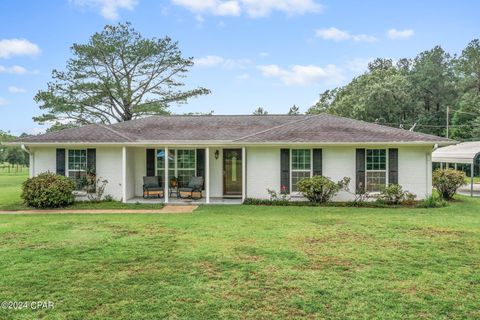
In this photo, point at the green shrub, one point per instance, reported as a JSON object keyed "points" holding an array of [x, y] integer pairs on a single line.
{"points": [[447, 182], [48, 190], [320, 189], [434, 201], [394, 194]]}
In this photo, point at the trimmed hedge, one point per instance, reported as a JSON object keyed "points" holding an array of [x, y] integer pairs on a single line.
{"points": [[358, 204], [48, 190]]}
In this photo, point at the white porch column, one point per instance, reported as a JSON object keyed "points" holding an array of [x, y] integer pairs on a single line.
{"points": [[124, 174], [167, 182], [31, 163], [472, 168], [244, 182], [207, 175]]}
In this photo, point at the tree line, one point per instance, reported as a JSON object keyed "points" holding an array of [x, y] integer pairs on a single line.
{"points": [[12, 155], [415, 93]]}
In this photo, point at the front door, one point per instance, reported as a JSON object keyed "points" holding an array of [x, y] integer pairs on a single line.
{"points": [[232, 172]]}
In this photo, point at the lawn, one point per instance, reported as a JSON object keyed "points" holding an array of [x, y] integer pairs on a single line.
{"points": [[10, 189], [246, 262]]}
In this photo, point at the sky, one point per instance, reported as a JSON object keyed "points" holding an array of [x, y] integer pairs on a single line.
{"points": [[249, 53]]}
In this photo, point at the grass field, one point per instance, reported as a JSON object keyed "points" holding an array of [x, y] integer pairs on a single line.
{"points": [[246, 262], [10, 189]]}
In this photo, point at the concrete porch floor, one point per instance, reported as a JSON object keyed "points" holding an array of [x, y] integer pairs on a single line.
{"points": [[178, 201]]}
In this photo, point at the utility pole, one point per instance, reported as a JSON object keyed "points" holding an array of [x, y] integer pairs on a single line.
{"points": [[448, 116]]}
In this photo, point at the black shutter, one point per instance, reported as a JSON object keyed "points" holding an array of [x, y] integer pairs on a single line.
{"points": [[92, 161], [393, 166], [360, 169], [317, 162], [285, 169], [201, 163], [61, 162], [150, 162]]}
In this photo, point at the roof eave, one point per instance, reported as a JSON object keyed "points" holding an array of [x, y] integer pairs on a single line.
{"points": [[231, 143]]}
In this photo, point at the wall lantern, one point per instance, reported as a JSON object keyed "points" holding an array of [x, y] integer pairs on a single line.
{"points": [[217, 153]]}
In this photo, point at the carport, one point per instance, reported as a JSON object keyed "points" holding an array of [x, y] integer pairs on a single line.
{"points": [[462, 153]]}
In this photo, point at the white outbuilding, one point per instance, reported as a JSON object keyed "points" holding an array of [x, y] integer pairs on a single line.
{"points": [[462, 153]]}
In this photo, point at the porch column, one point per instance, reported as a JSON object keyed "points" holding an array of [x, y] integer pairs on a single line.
{"points": [[471, 178], [31, 163], [167, 182], [124, 174], [244, 180], [207, 175]]}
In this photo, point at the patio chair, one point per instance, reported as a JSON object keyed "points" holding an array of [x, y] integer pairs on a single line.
{"points": [[152, 188], [193, 189]]}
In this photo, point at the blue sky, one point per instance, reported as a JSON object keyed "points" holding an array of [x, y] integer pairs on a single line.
{"points": [[250, 53]]}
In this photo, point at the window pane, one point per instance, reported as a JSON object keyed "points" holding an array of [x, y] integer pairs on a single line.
{"points": [[186, 159], [77, 167], [297, 176], [184, 177], [171, 158], [300, 159], [160, 159], [376, 159], [376, 181]]}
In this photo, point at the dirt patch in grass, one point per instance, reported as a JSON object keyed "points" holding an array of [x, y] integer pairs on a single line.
{"points": [[431, 232]]}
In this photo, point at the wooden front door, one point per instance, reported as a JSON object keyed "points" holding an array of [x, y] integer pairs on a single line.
{"points": [[232, 172]]}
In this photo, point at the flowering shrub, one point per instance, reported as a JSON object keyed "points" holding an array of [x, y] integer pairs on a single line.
{"points": [[394, 194], [447, 182], [48, 190], [279, 196], [321, 189]]}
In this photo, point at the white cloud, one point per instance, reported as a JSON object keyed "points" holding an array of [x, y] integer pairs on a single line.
{"points": [[217, 61], [400, 34], [14, 89], [358, 64], [208, 61], [16, 70], [243, 76], [36, 130], [17, 47], [108, 8], [341, 35], [253, 8], [3, 101], [304, 74], [13, 70]]}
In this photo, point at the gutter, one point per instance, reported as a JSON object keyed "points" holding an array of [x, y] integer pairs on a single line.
{"points": [[232, 143]]}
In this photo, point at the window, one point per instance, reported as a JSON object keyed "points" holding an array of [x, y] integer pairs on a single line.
{"points": [[181, 164], [161, 164], [301, 164], [376, 173], [77, 167], [185, 166]]}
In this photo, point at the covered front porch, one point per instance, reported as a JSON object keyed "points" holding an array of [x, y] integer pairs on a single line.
{"points": [[179, 201], [223, 170]]}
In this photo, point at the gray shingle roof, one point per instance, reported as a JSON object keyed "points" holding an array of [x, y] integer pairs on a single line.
{"points": [[323, 128]]}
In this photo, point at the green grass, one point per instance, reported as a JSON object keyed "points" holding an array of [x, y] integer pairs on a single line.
{"points": [[246, 262], [10, 189], [475, 180], [243, 262]]}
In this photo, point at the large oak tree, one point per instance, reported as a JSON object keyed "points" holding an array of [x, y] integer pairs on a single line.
{"points": [[117, 76]]}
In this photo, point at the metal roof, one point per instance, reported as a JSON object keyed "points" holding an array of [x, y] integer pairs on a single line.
{"points": [[464, 152]]}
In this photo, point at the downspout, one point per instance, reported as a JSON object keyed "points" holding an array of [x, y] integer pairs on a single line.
{"points": [[30, 160], [429, 168]]}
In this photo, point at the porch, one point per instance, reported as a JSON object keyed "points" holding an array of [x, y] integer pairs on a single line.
{"points": [[223, 170], [178, 201]]}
